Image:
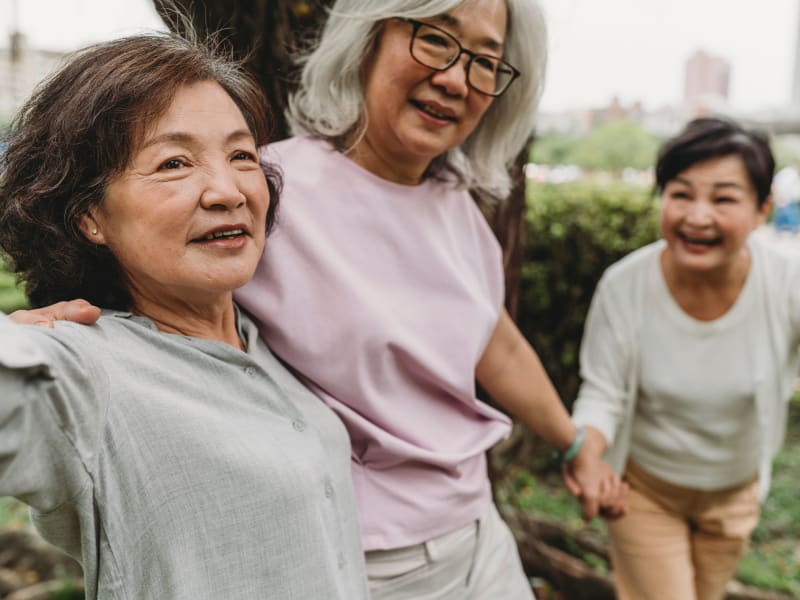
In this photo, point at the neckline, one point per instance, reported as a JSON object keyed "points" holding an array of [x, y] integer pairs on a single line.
{"points": [[730, 316], [245, 327], [365, 173]]}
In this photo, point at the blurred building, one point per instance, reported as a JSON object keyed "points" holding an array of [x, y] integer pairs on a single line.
{"points": [[707, 82], [21, 68], [663, 121], [784, 120], [615, 111]]}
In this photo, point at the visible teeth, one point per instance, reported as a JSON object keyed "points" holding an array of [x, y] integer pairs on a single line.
{"points": [[224, 234], [705, 242], [432, 112]]}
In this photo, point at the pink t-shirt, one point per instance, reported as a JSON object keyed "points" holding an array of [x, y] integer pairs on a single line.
{"points": [[382, 297]]}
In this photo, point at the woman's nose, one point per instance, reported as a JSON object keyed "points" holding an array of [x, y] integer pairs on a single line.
{"points": [[221, 190], [454, 79], [700, 212]]}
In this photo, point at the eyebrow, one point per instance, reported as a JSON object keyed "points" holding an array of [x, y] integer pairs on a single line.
{"points": [[716, 185], [488, 42], [181, 137]]}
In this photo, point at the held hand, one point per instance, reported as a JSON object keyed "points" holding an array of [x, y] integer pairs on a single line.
{"points": [[590, 479], [78, 311], [613, 495]]}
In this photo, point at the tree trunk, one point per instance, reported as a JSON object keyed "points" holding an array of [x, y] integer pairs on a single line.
{"points": [[507, 219], [266, 34]]}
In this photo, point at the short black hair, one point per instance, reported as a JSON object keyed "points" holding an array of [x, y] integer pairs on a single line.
{"points": [[711, 137]]}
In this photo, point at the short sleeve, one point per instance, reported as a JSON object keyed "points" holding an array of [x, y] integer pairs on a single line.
{"points": [[491, 254]]}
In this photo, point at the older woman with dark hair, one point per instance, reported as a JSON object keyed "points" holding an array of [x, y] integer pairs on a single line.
{"points": [[689, 357], [164, 447]]}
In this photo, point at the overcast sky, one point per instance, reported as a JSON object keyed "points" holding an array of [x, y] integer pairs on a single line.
{"points": [[633, 49]]}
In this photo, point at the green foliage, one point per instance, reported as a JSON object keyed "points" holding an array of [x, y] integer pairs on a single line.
{"points": [[772, 565], [11, 295], [70, 588], [617, 145], [612, 147], [554, 150], [544, 493], [774, 561], [13, 514], [574, 232]]}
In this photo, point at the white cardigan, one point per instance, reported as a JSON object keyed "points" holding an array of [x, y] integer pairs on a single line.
{"points": [[610, 350]]}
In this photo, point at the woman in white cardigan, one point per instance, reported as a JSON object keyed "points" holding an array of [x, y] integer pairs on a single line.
{"points": [[688, 360]]}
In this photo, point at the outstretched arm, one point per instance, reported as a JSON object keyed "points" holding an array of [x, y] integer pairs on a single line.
{"points": [[34, 452], [511, 372], [78, 311]]}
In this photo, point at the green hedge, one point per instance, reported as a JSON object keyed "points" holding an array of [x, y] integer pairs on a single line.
{"points": [[11, 296], [575, 231]]}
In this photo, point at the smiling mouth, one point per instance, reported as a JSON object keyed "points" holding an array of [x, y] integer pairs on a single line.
{"points": [[221, 235], [429, 111], [715, 241]]}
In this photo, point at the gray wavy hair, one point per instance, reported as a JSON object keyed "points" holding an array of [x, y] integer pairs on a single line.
{"points": [[330, 100]]}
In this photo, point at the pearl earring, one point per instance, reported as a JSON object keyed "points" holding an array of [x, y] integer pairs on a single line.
{"points": [[94, 231]]}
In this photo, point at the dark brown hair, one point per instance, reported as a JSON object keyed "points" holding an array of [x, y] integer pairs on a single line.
{"points": [[711, 137], [79, 130]]}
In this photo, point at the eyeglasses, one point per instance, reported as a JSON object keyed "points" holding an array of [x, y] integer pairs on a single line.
{"points": [[436, 49]]}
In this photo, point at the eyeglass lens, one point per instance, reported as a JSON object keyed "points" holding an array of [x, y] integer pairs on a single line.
{"points": [[438, 50]]}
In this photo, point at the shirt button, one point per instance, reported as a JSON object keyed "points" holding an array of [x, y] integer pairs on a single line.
{"points": [[250, 371], [341, 561], [298, 425], [328, 490]]}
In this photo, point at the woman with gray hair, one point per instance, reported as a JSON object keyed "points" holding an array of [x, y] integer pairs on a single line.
{"points": [[164, 447], [383, 286]]}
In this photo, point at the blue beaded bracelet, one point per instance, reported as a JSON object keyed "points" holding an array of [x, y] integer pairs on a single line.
{"points": [[575, 447]]}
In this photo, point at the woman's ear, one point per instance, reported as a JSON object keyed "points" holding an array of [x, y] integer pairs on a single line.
{"points": [[763, 210], [90, 230]]}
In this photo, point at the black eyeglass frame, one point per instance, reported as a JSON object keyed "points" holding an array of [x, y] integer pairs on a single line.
{"points": [[515, 73]]}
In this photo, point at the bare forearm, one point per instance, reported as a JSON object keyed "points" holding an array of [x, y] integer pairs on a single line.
{"points": [[528, 394], [513, 375]]}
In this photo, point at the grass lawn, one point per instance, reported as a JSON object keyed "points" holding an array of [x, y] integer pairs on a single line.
{"points": [[773, 561]]}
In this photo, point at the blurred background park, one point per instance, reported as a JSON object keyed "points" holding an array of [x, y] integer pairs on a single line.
{"points": [[623, 75]]}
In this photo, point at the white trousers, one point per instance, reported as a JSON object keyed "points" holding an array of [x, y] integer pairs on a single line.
{"points": [[476, 562]]}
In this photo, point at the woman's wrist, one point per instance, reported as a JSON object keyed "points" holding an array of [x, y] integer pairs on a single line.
{"points": [[574, 448]]}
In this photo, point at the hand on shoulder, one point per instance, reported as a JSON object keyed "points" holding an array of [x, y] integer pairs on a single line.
{"points": [[77, 311]]}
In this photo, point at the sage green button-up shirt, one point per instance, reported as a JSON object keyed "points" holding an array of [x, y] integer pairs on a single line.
{"points": [[177, 468]]}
